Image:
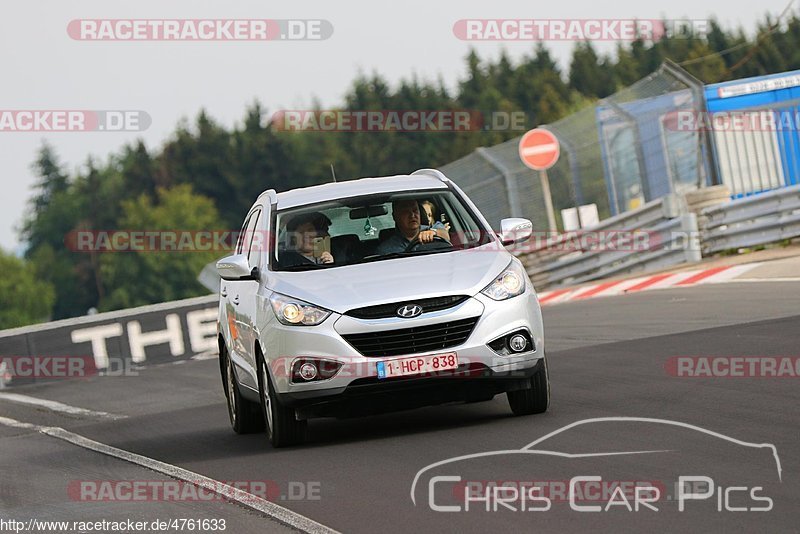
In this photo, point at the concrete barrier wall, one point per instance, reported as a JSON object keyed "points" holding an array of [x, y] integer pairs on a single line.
{"points": [[109, 343]]}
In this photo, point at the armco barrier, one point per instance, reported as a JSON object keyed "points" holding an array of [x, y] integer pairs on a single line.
{"points": [[111, 341], [757, 220], [672, 239]]}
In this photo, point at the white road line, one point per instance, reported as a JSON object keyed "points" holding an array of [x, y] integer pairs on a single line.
{"points": [[248, 500], [56, 406], [210, 355], [17, 424], [785, 279]]}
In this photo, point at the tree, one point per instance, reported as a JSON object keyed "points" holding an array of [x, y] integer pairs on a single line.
{"points": [[143, 277], [712, 69], [588, 73], [56, 209], [52, 183], [26, 298]]}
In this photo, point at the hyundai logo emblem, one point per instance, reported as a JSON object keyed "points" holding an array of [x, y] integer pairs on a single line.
{"points": [[409, 310]]}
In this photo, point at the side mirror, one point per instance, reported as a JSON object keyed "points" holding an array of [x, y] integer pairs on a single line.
{"points": [[515, 230], [236, 267]]}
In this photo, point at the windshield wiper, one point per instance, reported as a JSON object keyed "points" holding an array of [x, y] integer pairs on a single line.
{"points": [[391, 255]]}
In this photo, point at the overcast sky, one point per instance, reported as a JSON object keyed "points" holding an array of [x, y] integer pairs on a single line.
{"points": [[42, 68]]}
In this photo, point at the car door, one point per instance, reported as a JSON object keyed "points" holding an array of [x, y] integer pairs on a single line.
{"points": [[242, 295], [229, 327], [231, 290]]}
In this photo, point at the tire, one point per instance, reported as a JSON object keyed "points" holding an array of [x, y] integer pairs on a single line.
{"points": [[245, 416], [283, 428], [536, 398]]}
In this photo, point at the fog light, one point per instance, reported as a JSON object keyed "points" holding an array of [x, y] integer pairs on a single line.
{"points": [[308, 371], [513, 343], [518, 343]]}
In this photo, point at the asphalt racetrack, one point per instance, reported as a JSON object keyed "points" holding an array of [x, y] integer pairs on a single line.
{"points": [[734, 440]]}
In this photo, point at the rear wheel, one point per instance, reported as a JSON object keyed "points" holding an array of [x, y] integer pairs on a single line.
{"points": [[245, 416], [534, 399], [283, 428]]}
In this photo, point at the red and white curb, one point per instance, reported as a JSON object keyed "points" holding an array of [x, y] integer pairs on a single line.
{"points": [[713, 275]]}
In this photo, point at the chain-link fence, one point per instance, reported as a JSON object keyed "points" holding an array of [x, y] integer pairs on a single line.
{"points": [[619, 153]]}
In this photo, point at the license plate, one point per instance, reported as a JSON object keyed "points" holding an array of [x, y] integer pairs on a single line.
{"points": [[417, 365]]}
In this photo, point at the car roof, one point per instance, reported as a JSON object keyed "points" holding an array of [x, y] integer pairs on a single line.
{"points": [[355, 188]]}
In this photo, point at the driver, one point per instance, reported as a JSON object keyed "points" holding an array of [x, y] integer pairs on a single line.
{"points": [[408, 228], [304, 229]]}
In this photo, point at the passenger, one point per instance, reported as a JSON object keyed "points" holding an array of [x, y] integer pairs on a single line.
{"points": [[430, 216], [301, 232], [408, 228]]}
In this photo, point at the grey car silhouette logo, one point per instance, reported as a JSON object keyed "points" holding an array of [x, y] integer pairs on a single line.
{"points": [[409, 310]]}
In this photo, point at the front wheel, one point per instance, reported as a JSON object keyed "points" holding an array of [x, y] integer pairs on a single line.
{"points": [[536, 398], [283, 428], [245, 416]]}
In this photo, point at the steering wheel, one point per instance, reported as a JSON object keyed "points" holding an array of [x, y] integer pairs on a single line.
{"points": [[438, 243]]}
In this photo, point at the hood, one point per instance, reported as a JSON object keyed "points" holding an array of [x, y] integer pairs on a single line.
{"points": [[462, 272]]}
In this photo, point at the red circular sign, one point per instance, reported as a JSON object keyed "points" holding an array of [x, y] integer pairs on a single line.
{"points": [[539, 149]]}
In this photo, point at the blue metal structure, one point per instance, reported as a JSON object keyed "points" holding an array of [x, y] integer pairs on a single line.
{"points": [[767, 155], [748, 134]]}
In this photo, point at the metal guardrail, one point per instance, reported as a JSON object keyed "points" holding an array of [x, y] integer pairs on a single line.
{"points": [[757, 220], [673, 232], [657, 235]]}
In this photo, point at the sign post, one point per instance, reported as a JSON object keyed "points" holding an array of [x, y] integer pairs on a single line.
{"points": [[539, 150]]}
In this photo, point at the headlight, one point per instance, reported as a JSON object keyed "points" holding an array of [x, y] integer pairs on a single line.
{"points": [[510, 283], [294, 312]]}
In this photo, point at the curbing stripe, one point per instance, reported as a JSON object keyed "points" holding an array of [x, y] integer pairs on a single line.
{"points": [[702, 275], [712, 275], [550, 295], [597, 289], [648, 282]]}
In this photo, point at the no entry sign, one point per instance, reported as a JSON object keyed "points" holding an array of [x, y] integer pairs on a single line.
{"points": [[539, 149]]}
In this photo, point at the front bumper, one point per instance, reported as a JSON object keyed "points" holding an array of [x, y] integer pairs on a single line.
{"points": [[477, 362], [369, 396]]}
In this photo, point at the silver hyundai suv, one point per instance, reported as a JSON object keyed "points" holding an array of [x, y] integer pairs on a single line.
{"points": [[372, 295]]}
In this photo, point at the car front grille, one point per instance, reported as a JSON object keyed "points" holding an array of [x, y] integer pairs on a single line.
{"points": [[382, 311], [413, 340]]}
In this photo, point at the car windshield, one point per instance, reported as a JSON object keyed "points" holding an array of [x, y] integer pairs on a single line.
{"points": [[374, 228]]}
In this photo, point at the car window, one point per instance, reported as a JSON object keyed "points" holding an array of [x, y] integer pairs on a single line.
{"points": [[352, 230], [255, 241], [246, 239], [242, 234]]}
